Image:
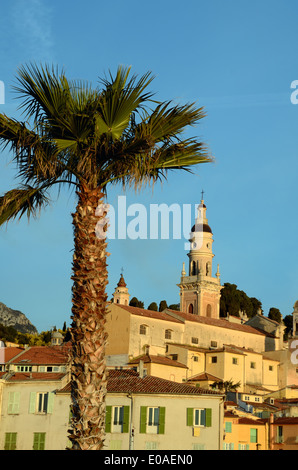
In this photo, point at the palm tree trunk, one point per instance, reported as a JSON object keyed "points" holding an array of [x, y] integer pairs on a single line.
{"points": [[88, 378]]}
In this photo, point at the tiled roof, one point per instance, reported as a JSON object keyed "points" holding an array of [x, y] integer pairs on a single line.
{"points": [[43, 355], [121, 381], [203, 376], [148, 358], [31, 376], [149, 313], [219, 322], [128, 381], [9, 353], [286, 420]]}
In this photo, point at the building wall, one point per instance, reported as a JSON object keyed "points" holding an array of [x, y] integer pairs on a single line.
{"points": [[25, 423], [240, 436], [177, 434]]}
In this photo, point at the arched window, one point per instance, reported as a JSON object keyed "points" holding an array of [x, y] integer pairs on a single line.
{"points": [[143, 329], [209, 311], [193, 269], [168, 334], [190, 308]]}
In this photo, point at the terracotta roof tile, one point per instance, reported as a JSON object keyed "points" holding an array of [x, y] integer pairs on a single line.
{"points": [[148, 358], [43, 355], [120, 381], [149, 313], [128, 381], [34, 376]]}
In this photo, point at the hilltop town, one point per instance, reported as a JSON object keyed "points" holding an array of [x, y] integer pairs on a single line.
{"points": [[183, 379]]}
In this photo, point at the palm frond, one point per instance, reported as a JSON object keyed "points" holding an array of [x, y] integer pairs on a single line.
{"points": [[24, 200], [120, 98]]}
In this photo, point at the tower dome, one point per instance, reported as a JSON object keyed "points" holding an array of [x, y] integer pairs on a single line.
{"points": [[121, 295]]}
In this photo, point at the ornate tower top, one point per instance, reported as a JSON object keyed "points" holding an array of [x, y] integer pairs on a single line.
{"points": [[121, 295]]}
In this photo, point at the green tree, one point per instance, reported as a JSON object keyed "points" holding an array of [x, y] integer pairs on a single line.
{"points": [[134, 302], [226, 386], [288, 322], [274, 314], [153, 306], [88, 138], [174, 307], [162, 305]]}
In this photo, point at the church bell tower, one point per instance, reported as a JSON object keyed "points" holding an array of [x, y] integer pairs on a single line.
{"points": [[200, 291]]}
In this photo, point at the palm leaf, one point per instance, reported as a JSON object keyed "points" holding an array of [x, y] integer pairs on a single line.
{"points": [[25, 200]]}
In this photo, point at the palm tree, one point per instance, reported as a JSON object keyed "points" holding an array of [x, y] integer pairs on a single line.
{"points": [[91, 137]]}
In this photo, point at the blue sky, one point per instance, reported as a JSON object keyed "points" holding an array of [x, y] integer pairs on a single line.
{"points": [[235, 58]]}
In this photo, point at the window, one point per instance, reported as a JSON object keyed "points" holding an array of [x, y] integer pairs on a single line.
{"points": [[235, 360], [13, 403], [199, 417], [228, 446], [252, 365], [228, 426], [243, 447], [49, 369], [253, 435], [41, 403], [152, 420], [196, 358], [279, 437], [39, 441], [195, 340], [271, 368], [24, 368], [168, 334], [190, 308], [214, 359], [143, 329], [117, 419], [10, 441], [213, 344]]}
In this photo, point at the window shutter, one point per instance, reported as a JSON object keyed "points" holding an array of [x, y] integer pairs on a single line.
{"points": [[143, 419], [32, 403], [10, 441], [228, 427], [39, 441], [247, 446], [189, 420], [50, 407], [13, 403], [162, 420], [125, 426], [208, 417], [108, 418]]}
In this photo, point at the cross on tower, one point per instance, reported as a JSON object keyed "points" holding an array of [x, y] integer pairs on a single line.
{"points": [[202, 194]]}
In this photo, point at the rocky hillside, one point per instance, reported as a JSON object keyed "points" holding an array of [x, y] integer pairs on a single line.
{"points": [[16, 319]]}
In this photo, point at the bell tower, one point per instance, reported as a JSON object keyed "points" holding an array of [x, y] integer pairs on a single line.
{"points": [[121, 295], [200, 291]]}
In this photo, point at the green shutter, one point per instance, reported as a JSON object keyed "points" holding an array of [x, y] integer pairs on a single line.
{"points": [[228, 426], [32, 403], [39, 441], [253, 435], [108, 418], [208, 417], [125, 426], [247, 446], [143, 419], [10, 441], [189, 416], [13, 402], [162, 420], [50, 407]]}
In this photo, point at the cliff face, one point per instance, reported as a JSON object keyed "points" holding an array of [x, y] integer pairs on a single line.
{"points": [[16, 319]]}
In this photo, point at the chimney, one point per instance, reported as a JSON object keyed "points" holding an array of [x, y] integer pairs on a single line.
{"points": [[141, 369]]}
